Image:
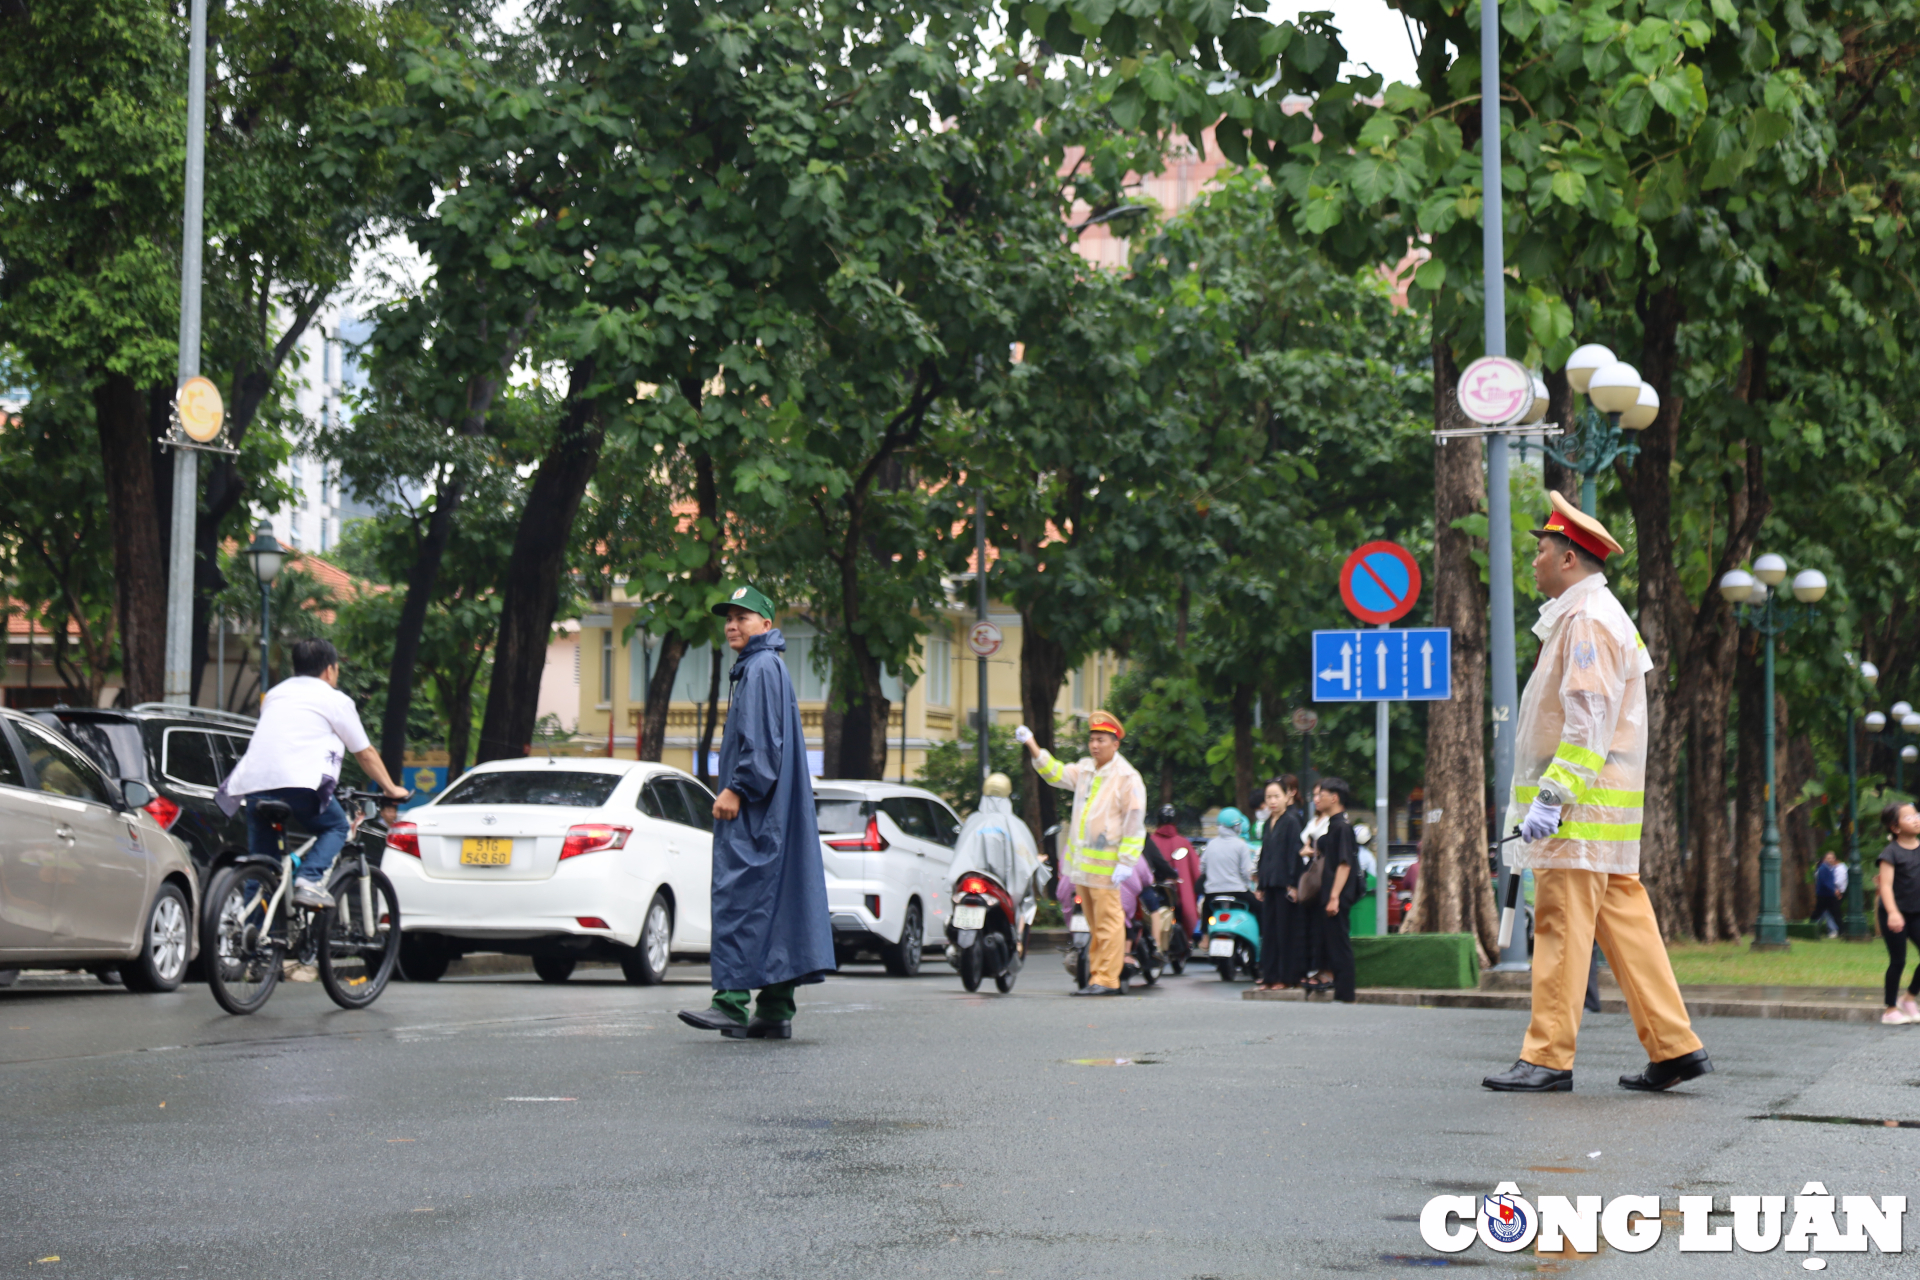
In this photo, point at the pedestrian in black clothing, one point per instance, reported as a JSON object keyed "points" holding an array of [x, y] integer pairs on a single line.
{"points": [[1283, 931], [1341, 883], [1898, 886]]}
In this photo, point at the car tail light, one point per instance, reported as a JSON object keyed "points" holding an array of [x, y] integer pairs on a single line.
{"points": [[404, 837], [164, 811], [873, 905], [593, 837], [871, 842], [591, 922], [972, 884]]}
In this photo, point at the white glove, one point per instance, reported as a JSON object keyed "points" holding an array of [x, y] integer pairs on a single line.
{"points": [[1542, 820], [1022, 735], [1121, 875]]}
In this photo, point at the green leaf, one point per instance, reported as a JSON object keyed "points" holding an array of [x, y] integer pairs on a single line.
{"points": [[1724, 10], [1157, 80], [1768, 127], [1381, 130], [1431, 275], [1370, 179], [1632, 111], [1321, 211], [1569, 187]]}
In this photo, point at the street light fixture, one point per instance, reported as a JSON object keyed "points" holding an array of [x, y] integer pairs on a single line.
{"points": [[1619, 405], [1752, 594], [266, 555]]}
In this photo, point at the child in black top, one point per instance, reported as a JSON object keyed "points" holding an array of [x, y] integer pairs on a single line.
{"points": [[1899, 894]]}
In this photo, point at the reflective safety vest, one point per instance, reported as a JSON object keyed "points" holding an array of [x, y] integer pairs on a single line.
{"points": [[1109, 824], [1581, 739]]}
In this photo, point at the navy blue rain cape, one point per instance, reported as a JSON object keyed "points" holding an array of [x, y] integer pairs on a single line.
{"points": [[770, 920]]}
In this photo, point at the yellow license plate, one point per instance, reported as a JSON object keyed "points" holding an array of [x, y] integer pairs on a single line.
{"points": [[486, 851]]}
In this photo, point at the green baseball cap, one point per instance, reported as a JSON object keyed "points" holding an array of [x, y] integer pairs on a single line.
{"points": [[746, 597]]}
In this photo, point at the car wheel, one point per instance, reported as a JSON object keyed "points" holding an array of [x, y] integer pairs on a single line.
{"points": [[162, 961], [423, 958], [903, 957], [646, 964], [554, 968]]}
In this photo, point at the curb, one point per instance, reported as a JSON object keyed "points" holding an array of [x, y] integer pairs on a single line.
{"points": [[1697, 1006]]}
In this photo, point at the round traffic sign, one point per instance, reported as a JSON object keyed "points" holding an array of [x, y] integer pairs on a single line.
{"points": [[984, 639], [1380, 582], [1495, 391], [1304, 720], [198, 402]]}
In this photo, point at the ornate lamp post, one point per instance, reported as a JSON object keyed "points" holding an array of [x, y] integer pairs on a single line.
{"points": [[1856, 926], [267, 557], [1753, 595], [1619, 407]]}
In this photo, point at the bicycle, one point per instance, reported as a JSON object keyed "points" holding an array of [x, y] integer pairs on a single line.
{"points": [[253, 925]]}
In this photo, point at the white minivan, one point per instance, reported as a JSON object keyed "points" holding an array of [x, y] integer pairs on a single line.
{"points": [[888, 851]]}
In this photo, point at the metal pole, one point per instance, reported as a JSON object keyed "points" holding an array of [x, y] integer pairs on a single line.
{"points": [[1856, 913], [980, 601], [1380, 819], [1589, 493], [1770, 930], [186, 463], [266, 634], [1505, 690]]}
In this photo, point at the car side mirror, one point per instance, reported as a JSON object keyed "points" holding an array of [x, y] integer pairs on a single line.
{"points": [[136, 793]]}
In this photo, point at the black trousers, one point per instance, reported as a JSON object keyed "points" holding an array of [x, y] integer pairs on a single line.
{"points": [[1284, 945], [1897, 955], [1333, 950]]}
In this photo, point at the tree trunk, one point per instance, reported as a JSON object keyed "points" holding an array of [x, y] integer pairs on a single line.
{"points": [[1560, 478], [1666, 616], [1244, 784], [1454, 894], [706, 496], [701, 769], [1043, 668], [531, 596], [1797, 842], [139, 556], [459, 729], [1182, 614], [666, 666], [1702, 713]]}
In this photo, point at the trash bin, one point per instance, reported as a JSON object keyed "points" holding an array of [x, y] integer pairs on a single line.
{"points": [[1362, 920]]}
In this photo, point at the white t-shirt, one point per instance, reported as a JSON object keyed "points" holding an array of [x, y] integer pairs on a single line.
{"points": [[307, 727]]}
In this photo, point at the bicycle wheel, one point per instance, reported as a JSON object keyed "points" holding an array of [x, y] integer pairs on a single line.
{"points": [[243, 955], [357, 951]]}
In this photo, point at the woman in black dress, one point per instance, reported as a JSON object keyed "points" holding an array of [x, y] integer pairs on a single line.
{"points": [[1283, 933], [1341, 884]]}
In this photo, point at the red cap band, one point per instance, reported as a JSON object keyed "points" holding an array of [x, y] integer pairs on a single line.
{"points": [[1576, 535], [1103, 722]]}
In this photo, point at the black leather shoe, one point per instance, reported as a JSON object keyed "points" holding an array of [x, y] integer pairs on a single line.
{"points": [[1664, 1075], [1524, 1077], [760, 1029], [711, 1020], [1097, 991]]}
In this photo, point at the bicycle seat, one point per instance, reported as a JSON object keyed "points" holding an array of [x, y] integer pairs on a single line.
{"points": [[278, 812]]}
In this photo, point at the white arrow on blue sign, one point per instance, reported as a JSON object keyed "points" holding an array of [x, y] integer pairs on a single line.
{"points": [[1413, 664]]}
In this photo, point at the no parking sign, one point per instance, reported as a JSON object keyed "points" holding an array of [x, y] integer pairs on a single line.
{"points": [[1380, 582]]}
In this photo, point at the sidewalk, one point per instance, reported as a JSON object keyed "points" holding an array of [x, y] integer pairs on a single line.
{"points": [[1502, 991]]}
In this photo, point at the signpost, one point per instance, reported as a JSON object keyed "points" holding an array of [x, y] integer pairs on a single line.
{"points": [[1380, 584], [984, 639]]}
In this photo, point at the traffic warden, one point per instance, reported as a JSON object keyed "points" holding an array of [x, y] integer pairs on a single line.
{"points": [[770, 925], [1579, 776], [1103, 840]]}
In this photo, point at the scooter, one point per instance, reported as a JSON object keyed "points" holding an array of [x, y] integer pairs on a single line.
{"points": [[1233, 936], [1145, 961], [985, 936], [1079, 933], [1179, 941]]}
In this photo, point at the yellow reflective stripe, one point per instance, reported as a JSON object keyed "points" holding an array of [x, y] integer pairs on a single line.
{"points": [[1570, 782], [1095, 858], [1615, 799], [1525, 795], [1638, 643], [1049, 768], [1130, 847], [1580, 757], [1599, 831]]}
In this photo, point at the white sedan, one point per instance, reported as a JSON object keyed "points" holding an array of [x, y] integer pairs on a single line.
{"points": [[888, 851], [562, 860]]}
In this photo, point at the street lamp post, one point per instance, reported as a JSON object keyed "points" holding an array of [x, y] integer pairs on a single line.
{"points": [[1904, 721], [265, 553], [1753, 595], [1619, 407]]}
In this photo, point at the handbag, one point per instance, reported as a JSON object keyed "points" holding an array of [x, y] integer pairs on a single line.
{"points": [[1311, 880]]}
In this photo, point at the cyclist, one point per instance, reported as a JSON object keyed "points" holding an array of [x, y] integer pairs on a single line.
{"points": [[307, 728]]}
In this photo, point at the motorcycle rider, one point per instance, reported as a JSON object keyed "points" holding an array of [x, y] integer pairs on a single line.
{"points": [[1226, 865], [992, 840], [1178, 851]]}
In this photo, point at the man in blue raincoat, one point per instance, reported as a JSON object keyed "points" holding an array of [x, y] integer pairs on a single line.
{"points": [[770, 927]]}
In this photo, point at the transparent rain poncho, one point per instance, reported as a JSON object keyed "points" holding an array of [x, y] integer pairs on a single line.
{"points": [[1581, 739], [997, 842], [1109, 824]]}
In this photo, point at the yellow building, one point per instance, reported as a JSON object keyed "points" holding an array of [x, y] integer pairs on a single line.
{"points": [[609, 679]]}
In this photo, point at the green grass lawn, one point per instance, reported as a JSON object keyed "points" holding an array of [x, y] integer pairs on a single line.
{"points": [[1807, 964]]}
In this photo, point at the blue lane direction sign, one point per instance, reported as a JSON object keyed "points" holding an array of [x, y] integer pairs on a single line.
{"points": [[1413, 664]]}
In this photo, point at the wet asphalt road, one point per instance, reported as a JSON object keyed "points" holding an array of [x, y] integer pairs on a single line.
{"points": [[507, 1128]]}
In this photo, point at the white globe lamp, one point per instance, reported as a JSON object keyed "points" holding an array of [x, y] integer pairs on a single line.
{"points": [[1809, 585], [1614, 388], [1644, 410], [1584, 362], [1770, 569]]}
